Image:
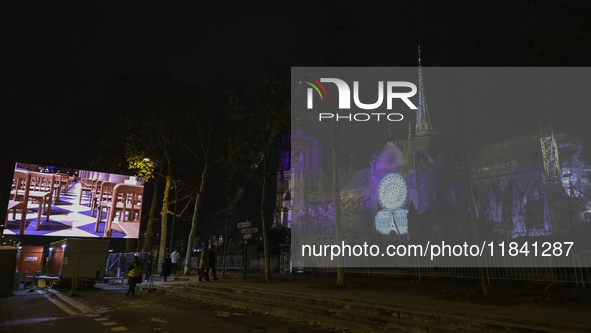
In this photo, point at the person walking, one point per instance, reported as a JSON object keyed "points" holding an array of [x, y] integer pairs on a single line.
{"points": [[212, 262], [135, 275], [174, 257], [148, 267], [204, 265], [166, 268]]}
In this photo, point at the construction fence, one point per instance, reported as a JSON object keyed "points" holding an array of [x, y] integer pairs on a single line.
{"points": [[497, 267], [573, 269]]}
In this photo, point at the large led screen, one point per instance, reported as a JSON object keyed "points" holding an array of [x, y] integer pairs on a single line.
{"points": [[65, 202]]}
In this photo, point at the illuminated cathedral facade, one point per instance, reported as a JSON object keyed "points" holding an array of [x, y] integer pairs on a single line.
{"points": [[413, 189]]}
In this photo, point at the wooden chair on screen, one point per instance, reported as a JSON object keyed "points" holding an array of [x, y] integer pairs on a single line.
{"points": [[41, 190], [86, 186], [127, 199], [19, 197], [57, 185], [94, 194], [64, 182], [104, 195]]}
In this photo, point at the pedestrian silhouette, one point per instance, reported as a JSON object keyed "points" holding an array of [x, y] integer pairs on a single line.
{"points": [[135, 275], [166, 268]]}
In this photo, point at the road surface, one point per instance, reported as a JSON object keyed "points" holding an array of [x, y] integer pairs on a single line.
{"points": [[144, 312]]}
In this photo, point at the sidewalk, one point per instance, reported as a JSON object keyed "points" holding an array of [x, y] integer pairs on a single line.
{"points": [[567, 313]]}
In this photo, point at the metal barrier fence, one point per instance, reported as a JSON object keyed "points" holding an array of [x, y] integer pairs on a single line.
{"points": [[280, 263], [82, 265], [575, 268], [584, 258], [118, 263]]}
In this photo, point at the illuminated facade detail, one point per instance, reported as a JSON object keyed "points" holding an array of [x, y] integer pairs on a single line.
{"points": [[384, 222], [413, 186], [392, 160], [400, 217], [414, 198], [392, 191], [388, 221]]}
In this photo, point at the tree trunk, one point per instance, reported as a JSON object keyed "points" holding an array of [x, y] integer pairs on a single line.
{"points": [[337, 216], [195, 220], [486, 291], [164, 214], [151, 217], [128, 245], [264, 225], [226, 236]]}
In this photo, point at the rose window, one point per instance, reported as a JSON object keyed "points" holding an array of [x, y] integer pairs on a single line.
{"points": [[392, 191], [391, 160]]}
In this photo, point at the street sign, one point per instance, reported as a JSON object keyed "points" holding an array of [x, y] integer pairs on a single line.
{"points": [[243, 225], [247, 236], [250, 230]]}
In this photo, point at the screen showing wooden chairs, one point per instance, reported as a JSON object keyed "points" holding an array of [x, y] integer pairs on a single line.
{"points": [[68, 202]]}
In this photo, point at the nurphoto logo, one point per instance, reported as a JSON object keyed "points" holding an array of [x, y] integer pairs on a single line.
{"points": [[344, 92]]}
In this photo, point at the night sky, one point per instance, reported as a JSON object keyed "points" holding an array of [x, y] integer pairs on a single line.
{"points": [[57, 58]]}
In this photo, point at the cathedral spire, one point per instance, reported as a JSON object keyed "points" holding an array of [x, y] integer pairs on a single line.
{"points": [[423, 124], [410, 147]]}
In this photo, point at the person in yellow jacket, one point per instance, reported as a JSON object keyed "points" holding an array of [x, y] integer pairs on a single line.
{"points": [[135, 275]]}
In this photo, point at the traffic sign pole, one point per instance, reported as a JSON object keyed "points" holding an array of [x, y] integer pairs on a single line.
{"points": [[241, 226], [245, 243], [249, 230]]}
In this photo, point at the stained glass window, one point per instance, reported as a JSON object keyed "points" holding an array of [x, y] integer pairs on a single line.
{"points": [[392, 191]]}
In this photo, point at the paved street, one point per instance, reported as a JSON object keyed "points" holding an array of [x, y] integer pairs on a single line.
{"points": [[26, 312], [141, 313]]}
